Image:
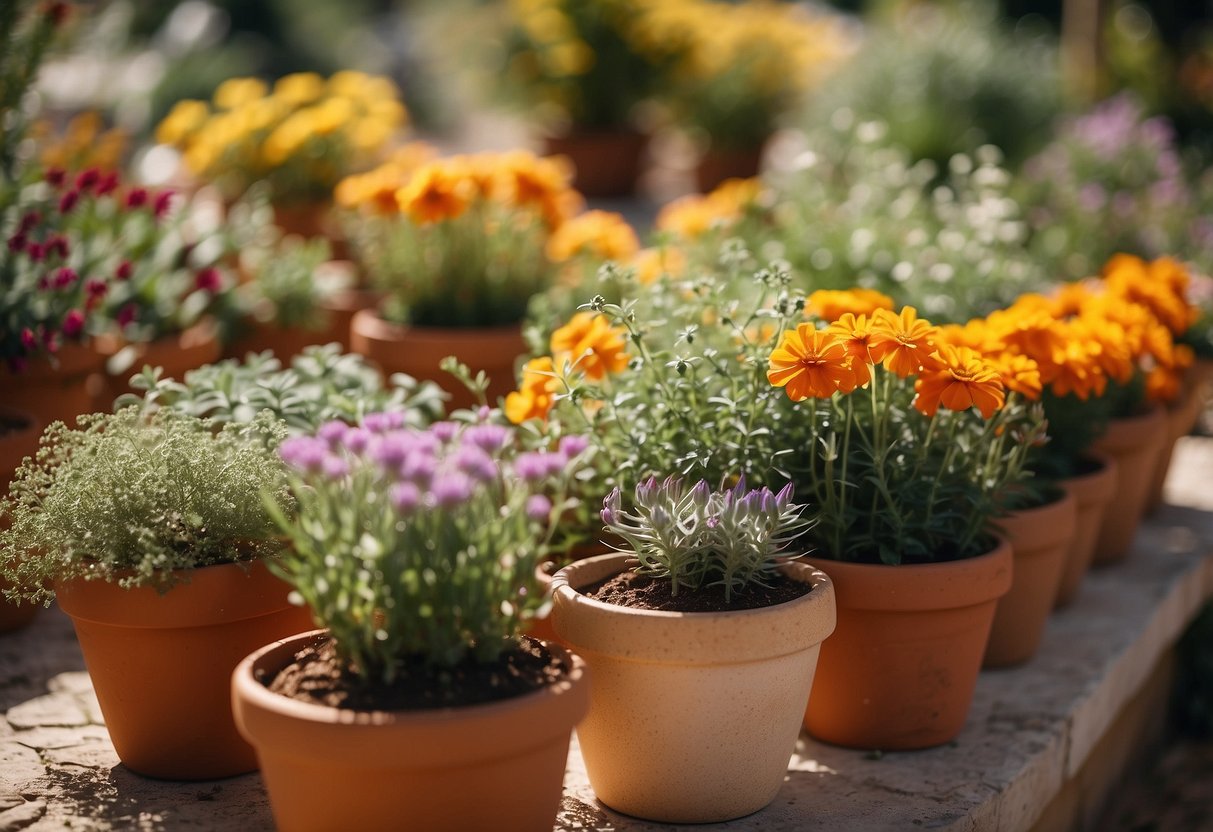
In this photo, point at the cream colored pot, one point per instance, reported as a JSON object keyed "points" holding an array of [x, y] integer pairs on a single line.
{"points": [[693, 716]]}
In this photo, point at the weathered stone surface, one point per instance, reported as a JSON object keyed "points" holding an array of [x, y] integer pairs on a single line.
{"points": [[1030, 731]]}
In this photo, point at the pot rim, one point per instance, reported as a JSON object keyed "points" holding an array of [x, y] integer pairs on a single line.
{"points": [[370, 325], [730, 636], [264, 716]]}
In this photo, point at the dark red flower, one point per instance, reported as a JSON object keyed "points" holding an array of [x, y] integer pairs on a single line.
{"points": [[164, 201], [56, 176], [127, 314], [73, 323], [108, 183], [44, 283], [56, 12], [136, 197], [57, 245], [208, 280], [65, 277], [124, 270], [28, 340], [17, 242], [87, 179], [35, 252], [68, 201], [96, 289], [29, 220]]}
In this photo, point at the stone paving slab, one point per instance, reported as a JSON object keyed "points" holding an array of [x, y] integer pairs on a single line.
{"points": [[1030, 728]]}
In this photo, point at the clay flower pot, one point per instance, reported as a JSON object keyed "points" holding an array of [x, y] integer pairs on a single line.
{"points": [[54, 392], [311, 219], [718, 164], [1092, 492], [1182, 416], [285, 344], [19, 433], [900, 670], [417, 351], [161, 664], [607, 163], [540, 626], [1135, 443], [494, 766], [1040, 539], [693, 716], [177, 354]]}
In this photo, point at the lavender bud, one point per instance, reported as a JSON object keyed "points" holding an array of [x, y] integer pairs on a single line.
{"points": [[419, 467], [451, 488], [444, 431], [405, 497], [356, 440], [531, 467], [573, 445], [490, 438], [476, 463], [332, 432], [335, 467], [304, 453], [610, 507], [538, 507]]}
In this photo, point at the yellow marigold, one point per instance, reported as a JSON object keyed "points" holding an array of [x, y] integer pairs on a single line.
{"points": [[236, 92], [733, 197], [181, 122], [435, 193], [904, 343], [830, 304], [299, 88], [653, 263], [810, 363], [535, 396], [603, 235], [691, 216], [962, 379], [592, 345]]}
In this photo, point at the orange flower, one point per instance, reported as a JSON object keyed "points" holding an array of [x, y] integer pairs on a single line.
{"points": [[1163, 384], [810, 362], [903, 343], [963, 380], [855, 332], [535, 398], [602, 235], [829, 305], [1019, 373], [652, 263], [435, 193], [594, 346], [689, 217]]}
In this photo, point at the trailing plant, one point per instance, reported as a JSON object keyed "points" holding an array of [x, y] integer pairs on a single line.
{"points": [[420, 546], [131, 498], [321, 385], [698, 537]]}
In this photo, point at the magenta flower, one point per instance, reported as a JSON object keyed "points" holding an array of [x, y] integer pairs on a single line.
{"points": [[491, 438], [538, 507], [477, 464], [303, 453], [136, 198], [124, 270], [73, 324], [208, 280], [164, 201], [451, 488], [87, 179], [332, 432], [405, 497], [68, 201], [127, 314], [444, 431], [531, 466], [573, 445]]}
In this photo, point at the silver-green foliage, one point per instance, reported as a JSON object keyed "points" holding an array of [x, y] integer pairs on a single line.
{"points": [[130, 497], [697, 537]]}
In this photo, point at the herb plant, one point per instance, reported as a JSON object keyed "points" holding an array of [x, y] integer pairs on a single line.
{"points": [[130, 498], [698, 537], [421, 545]]}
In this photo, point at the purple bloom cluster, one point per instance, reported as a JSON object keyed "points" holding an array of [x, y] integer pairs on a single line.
{"points": [[443, 466]]}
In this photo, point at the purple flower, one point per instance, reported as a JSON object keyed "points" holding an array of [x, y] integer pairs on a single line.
{"points": [[335, 467], [419, 467], [784, 497], [356, 440], [539, 507], [477, 464], [701, 492], [531, 466], [610, 507], [381, 422], [491, 438], [391, 450], [332, 432], [303, 453], [445, 431], [573, 445], [451, 488], [405, 497]]}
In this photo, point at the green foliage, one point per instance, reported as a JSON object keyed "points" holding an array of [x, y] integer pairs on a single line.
{"points": [[129, 498], [288, 286], [697, 537], [26, 29], [321, 384]]}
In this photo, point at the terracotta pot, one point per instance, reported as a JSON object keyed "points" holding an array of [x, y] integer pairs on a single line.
{"points": [[176, 354], [312, 219], [1040, 539], [541, 625], [493, 766], [718, 164], [54, 392], [606, 162], [417, 351], [693, 716], [1092, 492], [341, 308], [1135, 443], [161, 664], [900, 670], [1182, 416], [19, 440], [285, 344]]}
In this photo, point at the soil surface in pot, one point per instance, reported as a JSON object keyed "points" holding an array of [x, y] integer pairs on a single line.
{"points": [[12, 424], [627, 589], [319, 677]]}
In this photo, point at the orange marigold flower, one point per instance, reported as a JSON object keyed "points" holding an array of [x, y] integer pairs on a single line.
{"points": [[1019, 373], [904, 343], [603, 235], [693, 216], [810, 363], [1164, 384], [652, 263], [829, 304], [593, 345], [435, 193], [963, 380], [536, 395], [855, 332], [1078, 371]]}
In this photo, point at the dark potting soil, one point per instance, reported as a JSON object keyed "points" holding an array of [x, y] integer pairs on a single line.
{"points": [[627, 589], [319, 677]]}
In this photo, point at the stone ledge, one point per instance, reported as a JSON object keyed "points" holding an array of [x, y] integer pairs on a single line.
{"points": [[1031, 733]]}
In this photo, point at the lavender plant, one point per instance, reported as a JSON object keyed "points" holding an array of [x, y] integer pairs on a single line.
{"points": [[697, 537], [420, 546]]}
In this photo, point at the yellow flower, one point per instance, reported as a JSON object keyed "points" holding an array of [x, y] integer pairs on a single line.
{"points": [[830, 305], [690, 217], [653, 263], [435, 193], [591, 344], [534, 398], [602, 235], [236, 92], [299, 88], [185, 118]]}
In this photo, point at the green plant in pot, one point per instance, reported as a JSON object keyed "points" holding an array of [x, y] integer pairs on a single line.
{"points": [[458, 253], [417, 551], [704, 606], [151, 533]]}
